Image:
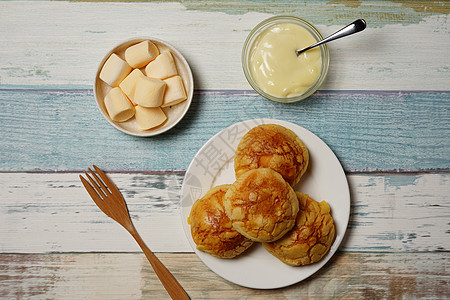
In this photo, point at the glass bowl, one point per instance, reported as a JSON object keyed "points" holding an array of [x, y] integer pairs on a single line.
{"points": [[249, 44]]}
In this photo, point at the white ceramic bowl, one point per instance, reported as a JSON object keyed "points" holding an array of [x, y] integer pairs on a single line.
{"points": [[174, 113]]}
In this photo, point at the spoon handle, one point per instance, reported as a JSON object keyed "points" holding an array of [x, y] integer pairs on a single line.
{"points": [[357, 26]]}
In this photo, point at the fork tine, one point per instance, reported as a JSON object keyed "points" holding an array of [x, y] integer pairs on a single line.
{"points": [[100, 182], [94, 195], [95, 184], [114, 191], [112, 187]]}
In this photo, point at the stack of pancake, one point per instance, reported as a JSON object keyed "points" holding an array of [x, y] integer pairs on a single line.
{"points": [[261, 205]]}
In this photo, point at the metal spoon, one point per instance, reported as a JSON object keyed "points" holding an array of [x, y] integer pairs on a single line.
{"points": [[357, 26]]}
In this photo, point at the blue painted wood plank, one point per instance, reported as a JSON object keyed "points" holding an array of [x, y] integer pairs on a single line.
{"points": [[369, 131]]}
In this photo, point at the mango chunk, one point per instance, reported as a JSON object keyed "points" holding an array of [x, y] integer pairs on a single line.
{"points": [[149, 92], [149, 117], [114, 70], [128, 85], [139, 55], [118, 106], [163, 66], [175, 91]]}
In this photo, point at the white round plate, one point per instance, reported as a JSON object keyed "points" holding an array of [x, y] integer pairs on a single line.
{"points": [[174, 113], [324, 180]]}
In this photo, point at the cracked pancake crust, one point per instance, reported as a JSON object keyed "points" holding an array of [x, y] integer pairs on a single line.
{"points": [[310, 239], [261, 205], [212, 230], [275, 147]]}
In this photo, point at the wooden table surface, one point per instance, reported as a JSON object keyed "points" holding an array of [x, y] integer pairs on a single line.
{"points": [[384, 110]]}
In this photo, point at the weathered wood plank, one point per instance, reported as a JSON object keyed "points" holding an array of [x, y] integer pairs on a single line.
{"points": [[399, 212], [53, 213], [368, 130], [346, 276], [378, 13], [47, 214], [403, 48]]}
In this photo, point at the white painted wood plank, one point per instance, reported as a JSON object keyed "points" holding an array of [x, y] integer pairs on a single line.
{"points": [[400, 212], [51, 212], [51, 215], [48, 43], [129, 276]]}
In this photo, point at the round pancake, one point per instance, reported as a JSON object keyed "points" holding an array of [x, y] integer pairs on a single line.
{"points": [[261, 205], [310, 239], [211, 229], [275, 147]]}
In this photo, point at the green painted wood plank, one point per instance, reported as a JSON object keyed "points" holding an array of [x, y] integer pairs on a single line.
{"points": [[369, 131]]}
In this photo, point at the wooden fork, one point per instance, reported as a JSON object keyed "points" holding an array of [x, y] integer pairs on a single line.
{"points": [[109, 199]]}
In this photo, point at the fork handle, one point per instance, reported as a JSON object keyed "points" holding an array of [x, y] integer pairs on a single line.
{"points": [[172, 286]]}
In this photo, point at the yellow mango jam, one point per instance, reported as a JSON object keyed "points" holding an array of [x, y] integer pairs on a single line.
{"points": [[275, 66]]}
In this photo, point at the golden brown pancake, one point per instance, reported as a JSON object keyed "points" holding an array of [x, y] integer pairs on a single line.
{"points": [[211, 229], [310, 239], [261, 205], [275, 147]]}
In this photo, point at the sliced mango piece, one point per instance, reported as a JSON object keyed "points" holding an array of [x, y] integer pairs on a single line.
{"points": [[114, 70], [149, 117], [139, 55], [128, 85], [149, 92], [175, 91], [118, 106], [163, 66]]}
